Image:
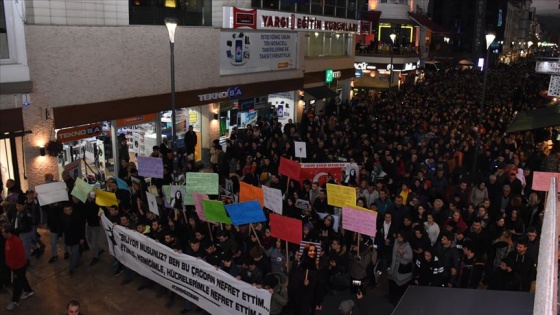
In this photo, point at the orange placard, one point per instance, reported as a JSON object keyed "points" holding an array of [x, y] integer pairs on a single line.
{"points": [[80, 132], [140, 119], [249, 192]]}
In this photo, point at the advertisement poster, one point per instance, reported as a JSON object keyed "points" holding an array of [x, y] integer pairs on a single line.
{"points": [[284, 104], [249, 52]]}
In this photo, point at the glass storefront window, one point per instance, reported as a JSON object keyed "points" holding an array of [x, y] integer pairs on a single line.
{"points": [[327, 44], [4, 51], [189, 13]]}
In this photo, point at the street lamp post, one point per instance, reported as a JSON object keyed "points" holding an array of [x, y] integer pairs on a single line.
{"points": [[489, 39], [393, 36], [171, 24]]}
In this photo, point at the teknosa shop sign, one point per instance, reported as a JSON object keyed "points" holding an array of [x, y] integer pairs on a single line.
{"points": [[274, 20]]}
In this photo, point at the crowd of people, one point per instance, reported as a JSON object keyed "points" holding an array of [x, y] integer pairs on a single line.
{"points": [[448, 214]]}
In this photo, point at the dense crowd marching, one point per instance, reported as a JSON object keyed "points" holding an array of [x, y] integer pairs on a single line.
{"points": [[445, 216]]}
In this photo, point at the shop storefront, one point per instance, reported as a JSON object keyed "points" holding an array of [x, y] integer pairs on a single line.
{"points": [[11, 146]]}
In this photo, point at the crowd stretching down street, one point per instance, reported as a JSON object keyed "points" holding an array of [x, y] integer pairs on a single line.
{"points": [[445, 217]]}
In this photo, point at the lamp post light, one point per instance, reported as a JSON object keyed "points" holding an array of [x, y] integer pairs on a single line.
{"points": [[171, 24], [489, 40], [393, 37]]}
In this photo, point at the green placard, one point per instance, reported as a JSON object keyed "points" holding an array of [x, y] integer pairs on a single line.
{"points": [[215, 211]]}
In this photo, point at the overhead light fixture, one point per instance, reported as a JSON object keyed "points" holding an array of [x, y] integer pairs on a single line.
{"points": [[42, 151]]}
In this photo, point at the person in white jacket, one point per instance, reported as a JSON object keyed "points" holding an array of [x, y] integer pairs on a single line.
{"points": [[432, 229]]}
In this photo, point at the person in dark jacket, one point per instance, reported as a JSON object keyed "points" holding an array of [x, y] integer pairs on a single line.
{"points": [[523, 265], [504, 279], [91, 212], [32, 207], [73, 227], [472, 267], [54, 213], [428, 270], [449, 257], [22, 223]]}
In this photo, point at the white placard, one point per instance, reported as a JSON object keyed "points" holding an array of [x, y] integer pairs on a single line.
{"points": [[152, 203], [273, 199], [249, 52], [300, 149], [212, 289], [51, 193], [150, 167]]}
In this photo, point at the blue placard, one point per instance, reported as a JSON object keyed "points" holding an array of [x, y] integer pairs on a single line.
{"points": [[245, 212]]}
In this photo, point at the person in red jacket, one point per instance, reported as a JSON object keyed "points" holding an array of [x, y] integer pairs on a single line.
{"points": [[17, 262]]}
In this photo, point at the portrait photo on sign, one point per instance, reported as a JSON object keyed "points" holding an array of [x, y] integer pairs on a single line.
{"points": [[178, 197], [307, 248], [352, 171]]}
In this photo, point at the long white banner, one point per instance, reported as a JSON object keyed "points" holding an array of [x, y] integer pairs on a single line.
{"points": [[213, 290]]}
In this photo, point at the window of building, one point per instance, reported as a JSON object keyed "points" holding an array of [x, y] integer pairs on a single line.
{"points": [[13, 52], [4, 49], [327, 44], [189, 13]]}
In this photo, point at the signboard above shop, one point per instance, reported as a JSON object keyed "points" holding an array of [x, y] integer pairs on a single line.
{"points": [[79, 132], [274, 20], [548, 67]]}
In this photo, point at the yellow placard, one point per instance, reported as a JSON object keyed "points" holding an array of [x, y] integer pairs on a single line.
{"points": [[105, 198], [340, 196]]}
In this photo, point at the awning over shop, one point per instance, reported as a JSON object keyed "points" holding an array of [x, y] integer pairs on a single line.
{"points": [[534, 119], [372, 83], [427, 22], [321, 92]]}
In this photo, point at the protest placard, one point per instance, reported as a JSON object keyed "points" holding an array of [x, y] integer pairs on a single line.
{"points": [[105, 198], [150, 166], [245, 212], [336, 220], [284, 228], [272, 199], [300, 149], [178, 196], [152, 203], [359, 220], [541, 181], [81, 189], [212, 289], [51, 193], [121, 184], [215, 211], [340, 196], [319, 172], [198, 197], [289, 168], [249, 192], [302, 204], [206, 183]]}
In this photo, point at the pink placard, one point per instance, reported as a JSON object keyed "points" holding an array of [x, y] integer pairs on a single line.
{"points": [[361, 221], [197, 198], [541, 181]]}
